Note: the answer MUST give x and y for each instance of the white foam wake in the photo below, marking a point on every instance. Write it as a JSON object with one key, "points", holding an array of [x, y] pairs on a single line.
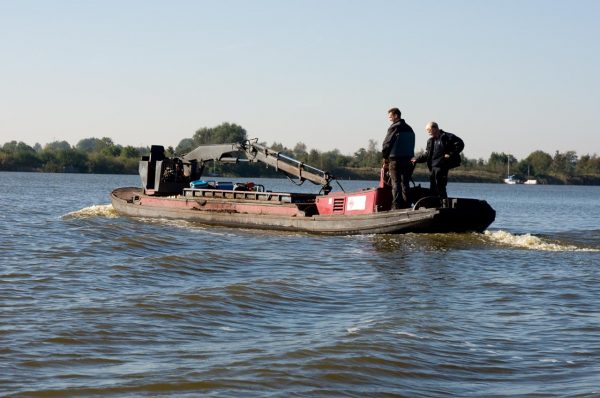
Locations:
{"points": [[528, 241], [94, 211]]}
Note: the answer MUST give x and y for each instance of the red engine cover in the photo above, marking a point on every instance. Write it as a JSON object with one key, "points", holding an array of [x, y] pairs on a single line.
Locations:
{"points": [[361, 202]]}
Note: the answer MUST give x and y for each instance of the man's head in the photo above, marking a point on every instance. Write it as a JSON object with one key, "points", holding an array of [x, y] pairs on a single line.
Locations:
{"points": [[432, 129], [394, 115]]}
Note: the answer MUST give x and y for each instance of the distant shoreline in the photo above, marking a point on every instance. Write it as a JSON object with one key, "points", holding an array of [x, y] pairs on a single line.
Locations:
{"points": [[473, 176]]}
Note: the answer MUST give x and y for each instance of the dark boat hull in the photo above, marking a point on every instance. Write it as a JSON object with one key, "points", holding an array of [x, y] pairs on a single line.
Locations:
{"points": [[464, 215]]}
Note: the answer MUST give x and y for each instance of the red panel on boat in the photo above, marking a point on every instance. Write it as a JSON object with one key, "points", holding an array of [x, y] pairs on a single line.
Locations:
{"points": [[362, 202]]}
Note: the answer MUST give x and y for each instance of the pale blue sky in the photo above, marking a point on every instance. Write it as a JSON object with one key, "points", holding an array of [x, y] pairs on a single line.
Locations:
{"points": [[507, 76]]}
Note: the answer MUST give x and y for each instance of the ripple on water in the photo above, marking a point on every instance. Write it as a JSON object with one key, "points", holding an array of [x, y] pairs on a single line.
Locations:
{"points": [[94, 304]]}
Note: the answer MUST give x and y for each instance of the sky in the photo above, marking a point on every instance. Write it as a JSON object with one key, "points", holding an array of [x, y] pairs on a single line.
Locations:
{"points": [[505, 75]]}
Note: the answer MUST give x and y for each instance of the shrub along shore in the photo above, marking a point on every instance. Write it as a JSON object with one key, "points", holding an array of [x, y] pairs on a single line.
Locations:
{"points": [[103, 156]]}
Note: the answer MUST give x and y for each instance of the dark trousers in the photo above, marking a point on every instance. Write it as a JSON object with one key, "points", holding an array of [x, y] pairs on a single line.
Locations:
{"points": [[401, 170], [438, 179]]}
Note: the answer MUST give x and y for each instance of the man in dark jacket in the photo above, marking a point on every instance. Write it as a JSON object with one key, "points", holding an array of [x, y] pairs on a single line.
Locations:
{"points": [[398, 150], [442, 153]]}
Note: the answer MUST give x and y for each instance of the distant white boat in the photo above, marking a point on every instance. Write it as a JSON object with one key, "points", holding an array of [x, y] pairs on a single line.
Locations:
{"points": [[512, 180], [529, 180]]}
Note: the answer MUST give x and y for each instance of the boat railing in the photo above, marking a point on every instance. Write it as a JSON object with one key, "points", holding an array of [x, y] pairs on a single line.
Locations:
{"points": [[273, 197]]}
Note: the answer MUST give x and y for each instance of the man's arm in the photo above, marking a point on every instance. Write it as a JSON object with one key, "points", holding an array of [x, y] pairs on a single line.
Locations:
{"points": [[423, 157], [388, 144]]}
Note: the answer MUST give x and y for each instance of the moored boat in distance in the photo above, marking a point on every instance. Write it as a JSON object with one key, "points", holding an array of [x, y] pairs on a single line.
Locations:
{"points": [[529, 180], [512, 179], [172, 188]]}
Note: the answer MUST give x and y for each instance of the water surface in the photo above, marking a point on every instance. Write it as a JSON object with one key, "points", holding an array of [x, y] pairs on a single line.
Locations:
{"points": [[93, 304]]}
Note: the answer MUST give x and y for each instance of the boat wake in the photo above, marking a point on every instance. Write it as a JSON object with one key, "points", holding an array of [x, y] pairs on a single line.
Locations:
{"points": [[93, 211], [531, 242]]}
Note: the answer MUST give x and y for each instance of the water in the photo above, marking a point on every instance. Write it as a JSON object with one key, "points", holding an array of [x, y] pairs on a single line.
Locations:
{"points": [[93, 304]]}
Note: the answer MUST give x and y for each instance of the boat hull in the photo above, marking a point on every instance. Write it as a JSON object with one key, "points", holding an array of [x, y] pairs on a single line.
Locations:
{"points": [[462, 216]]}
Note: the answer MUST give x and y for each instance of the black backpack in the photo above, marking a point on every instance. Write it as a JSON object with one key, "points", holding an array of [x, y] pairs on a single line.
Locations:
{"points": [[456, 144]]}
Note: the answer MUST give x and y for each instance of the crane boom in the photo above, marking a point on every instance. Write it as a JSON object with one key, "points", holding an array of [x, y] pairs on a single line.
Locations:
{"points": [[154, 168], [259, 153]]}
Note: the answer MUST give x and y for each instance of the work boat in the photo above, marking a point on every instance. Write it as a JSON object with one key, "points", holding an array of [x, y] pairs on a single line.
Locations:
{"points": [[173, 188]]}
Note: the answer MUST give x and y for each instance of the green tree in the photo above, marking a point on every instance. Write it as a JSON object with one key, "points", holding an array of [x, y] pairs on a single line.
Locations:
{"points": [[359, 159], [564, 163], [333, 160], [12, 146], [587, 165], [467, 163], [89, 144], [131, 152], [539, 163], [101, 164], [105, 145], [57, 146], [370, 157], [314, 158], [186, 145], [18, 156], [279, 147], [373, 156], [498, 162], [222, 134], [300, 152]]}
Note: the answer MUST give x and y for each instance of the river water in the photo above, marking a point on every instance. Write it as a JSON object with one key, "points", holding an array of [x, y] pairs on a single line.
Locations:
{"points": [[97, 305]]}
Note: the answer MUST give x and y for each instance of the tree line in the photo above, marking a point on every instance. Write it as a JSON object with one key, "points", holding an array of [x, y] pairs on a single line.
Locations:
{"points": [[103, 156]]}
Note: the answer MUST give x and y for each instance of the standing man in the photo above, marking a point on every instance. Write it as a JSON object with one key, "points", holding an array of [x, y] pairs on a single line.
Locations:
{"points": [[398, 151], [442, 153]]}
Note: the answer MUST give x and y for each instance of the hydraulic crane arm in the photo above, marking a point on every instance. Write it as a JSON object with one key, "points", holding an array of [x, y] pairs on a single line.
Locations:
{"points": [[208, 153], [161, 175], [258, 153], [251, 151]]}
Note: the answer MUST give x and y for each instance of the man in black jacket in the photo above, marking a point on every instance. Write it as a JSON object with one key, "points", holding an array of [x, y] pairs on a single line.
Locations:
{"points": [[398, 150], [442, 153]]}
